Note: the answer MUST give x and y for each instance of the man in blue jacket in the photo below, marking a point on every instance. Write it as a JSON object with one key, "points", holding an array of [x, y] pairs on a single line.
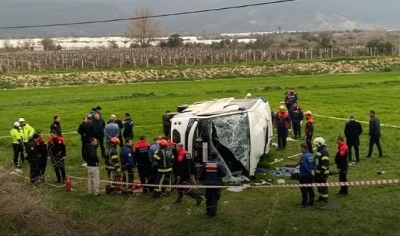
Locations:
{"points": [[127, 165], [308, 167]]}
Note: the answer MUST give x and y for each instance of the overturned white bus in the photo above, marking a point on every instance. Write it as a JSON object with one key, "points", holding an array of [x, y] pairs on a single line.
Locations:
{"points": [[239, 130]]}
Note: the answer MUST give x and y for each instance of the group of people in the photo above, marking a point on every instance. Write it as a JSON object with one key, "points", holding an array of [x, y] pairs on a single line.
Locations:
{"points": [[159, 164], [316, 168], [26, 141], [290, 117], [164, 162]]}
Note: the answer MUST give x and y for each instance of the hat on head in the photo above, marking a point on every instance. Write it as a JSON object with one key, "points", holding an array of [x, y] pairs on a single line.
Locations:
{"points": [[113, 116], [35, 136], [21, 120], [308, 113], [16, 124]]}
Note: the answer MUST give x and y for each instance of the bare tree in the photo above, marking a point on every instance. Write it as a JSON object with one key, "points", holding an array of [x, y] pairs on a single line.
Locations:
{"points": [[144, 30]]}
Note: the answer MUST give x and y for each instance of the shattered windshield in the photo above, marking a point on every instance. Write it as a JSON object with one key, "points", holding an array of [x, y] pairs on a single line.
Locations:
{"points": [[231, 138]]}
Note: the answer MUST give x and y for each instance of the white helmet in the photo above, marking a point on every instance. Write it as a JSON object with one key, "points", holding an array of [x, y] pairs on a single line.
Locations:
{"points": [[319, 141]]}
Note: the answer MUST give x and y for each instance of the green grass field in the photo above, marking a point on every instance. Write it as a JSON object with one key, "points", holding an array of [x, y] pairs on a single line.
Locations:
{"points": [[371, 210]]}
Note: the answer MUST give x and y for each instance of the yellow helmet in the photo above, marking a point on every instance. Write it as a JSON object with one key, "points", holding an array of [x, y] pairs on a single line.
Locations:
{"points": [[308, 113]]}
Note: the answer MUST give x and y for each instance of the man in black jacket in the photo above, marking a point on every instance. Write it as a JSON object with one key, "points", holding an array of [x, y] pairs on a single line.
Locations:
{"points": [[98, 130], [92, 161], [86, 131], [374, 134], [296, 117], [56, 125], [32, 152], [128, 126], [352, 131]]}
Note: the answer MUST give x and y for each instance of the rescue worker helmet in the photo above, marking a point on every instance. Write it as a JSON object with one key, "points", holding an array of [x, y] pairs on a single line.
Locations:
{"points": [[163, 142], [115, 140], [319, 141], [308, 113]]}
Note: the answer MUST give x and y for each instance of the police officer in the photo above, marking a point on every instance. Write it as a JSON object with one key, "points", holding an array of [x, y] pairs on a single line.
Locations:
{"points": [[213, 173], [17, 143], [26, 131], [164, 156], [296, 116], [290, 99], [57, 153], [322, 173], [32, 152], [307, 173], [342, 163], [112, 164], [282, 124], [127, 164], [309, 130], [185, 170], [43, 154]]}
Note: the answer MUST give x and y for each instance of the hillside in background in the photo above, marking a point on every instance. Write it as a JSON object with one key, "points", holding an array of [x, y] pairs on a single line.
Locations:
{"points": [[306, 15]]}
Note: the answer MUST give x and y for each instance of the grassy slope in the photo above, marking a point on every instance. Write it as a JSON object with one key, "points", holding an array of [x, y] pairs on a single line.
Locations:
{"points": [[367, 210]]}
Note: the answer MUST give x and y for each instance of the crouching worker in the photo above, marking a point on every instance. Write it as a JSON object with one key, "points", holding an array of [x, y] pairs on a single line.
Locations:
{"points": [[307, 173], [164, 156], [32, 151], [92, 161], [127, 165], [185, 170], [322, 173], [213, 173], [112, 165]]}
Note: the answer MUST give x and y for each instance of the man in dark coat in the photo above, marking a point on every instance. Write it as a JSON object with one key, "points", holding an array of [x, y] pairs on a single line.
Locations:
{"points": [[128, 126], [56, 125], [374, 134], [352, 131], [98, 130], [86, 131]]}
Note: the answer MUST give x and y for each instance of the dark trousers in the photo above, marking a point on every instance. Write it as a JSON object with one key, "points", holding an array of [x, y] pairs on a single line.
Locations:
{"points": [[323, 191], [163, 178], [187, 191], [356, 150], [343, 178], [34, 173], [18, 151], [144, 173], [309, 143], [121, 140], [296, 129], [59, 168], [212, 197], [282, 135], [128, 178], [153, 176], [83, 150], [307, 193], [42, 167], [375, 139], [101, 144]]}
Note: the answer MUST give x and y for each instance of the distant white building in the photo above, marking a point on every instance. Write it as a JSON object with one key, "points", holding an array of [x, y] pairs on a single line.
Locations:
{"points": [[37, 47]]}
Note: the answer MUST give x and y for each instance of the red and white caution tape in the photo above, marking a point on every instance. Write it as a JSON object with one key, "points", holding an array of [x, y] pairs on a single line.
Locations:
{"points": [[177, 186], [332, 184]]}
